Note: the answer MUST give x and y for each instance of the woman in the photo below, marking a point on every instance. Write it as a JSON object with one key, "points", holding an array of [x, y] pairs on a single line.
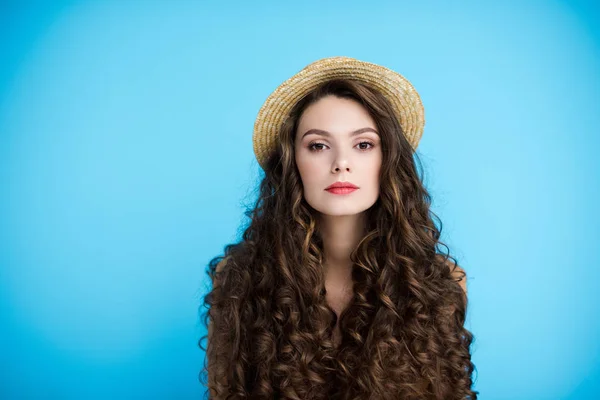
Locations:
{"points": [[339, 293]]}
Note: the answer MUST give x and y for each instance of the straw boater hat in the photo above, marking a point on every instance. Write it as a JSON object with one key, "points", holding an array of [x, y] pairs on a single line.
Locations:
{"points": [[398, 90]]}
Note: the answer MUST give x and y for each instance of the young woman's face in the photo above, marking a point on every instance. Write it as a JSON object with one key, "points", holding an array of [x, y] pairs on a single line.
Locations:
{"points": [[327, 151]]}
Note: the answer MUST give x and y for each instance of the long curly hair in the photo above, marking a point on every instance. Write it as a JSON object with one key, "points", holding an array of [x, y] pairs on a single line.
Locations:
{"points": [[269, 325]]}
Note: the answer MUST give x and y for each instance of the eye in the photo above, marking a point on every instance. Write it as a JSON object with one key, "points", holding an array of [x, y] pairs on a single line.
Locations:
{"points": [[312, 145], [369, 143]]}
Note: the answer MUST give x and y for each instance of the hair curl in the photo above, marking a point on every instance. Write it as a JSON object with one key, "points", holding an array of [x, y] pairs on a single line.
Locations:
{"points": [[269, 325]]}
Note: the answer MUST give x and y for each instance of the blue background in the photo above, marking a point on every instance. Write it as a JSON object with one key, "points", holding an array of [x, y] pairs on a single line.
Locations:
{"points": [[126, 162]]}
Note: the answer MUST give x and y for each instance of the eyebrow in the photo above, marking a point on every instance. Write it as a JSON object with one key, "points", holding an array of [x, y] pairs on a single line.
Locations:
{"points": [[325, 133]]}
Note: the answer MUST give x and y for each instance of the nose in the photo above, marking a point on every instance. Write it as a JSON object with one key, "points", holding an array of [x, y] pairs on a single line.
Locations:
{"points": [[341, 161], [341, 165], [336, 169]]}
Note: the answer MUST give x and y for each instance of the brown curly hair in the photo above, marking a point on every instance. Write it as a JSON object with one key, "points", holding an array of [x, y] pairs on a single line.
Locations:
{"points": [[269, 325]]}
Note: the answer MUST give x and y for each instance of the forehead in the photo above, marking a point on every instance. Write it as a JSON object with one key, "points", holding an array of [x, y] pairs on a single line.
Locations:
{"points": [[336, 115]]}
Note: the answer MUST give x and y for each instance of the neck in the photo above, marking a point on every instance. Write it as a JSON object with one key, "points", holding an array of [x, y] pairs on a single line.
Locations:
{"points": [[341, 235]]}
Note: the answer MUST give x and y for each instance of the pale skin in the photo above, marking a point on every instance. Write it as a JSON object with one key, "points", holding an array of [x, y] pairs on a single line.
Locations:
{"points": [[348, 149], [337, 140], [336, 153]]}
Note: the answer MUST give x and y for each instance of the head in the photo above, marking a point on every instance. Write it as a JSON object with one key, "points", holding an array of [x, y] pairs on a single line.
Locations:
{"points": [[343, 131], [337, 140], [270, 294]]}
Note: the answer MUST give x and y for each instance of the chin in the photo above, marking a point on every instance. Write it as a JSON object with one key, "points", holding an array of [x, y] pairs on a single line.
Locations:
{"points": [[340, 207], [338, 211], [339, 214]]}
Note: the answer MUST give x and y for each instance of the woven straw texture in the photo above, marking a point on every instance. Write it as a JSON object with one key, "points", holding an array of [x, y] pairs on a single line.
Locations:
{"points": [[398, 90]]}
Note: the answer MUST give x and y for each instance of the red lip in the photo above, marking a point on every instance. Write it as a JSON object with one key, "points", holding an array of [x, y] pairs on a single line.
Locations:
{"points": [[342, 185]]}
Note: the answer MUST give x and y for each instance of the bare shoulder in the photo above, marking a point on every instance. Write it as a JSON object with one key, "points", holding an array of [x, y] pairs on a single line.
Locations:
{"points": [[461, 276], [221, 264], [458, 274]]}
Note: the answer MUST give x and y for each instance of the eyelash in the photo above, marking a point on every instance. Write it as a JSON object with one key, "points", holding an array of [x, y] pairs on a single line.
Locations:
{"points": [[312, 144]]}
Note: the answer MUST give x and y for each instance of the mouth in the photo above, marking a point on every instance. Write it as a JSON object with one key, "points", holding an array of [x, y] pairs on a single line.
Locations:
{"points": [[342, 185], [341, 190]]}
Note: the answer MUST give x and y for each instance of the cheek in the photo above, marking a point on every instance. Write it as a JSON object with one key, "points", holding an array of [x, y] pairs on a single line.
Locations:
{"points": [[378, 165], [309, 172], [375, 171]]}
